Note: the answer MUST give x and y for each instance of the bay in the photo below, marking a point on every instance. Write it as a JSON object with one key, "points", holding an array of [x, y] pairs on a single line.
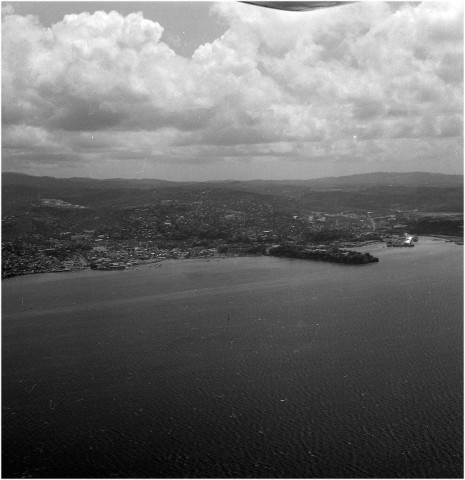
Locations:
{"points": [[239, 367]]}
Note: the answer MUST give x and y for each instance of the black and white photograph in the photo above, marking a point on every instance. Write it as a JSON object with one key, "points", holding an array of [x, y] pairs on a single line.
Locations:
{"points": [[232, 239]]}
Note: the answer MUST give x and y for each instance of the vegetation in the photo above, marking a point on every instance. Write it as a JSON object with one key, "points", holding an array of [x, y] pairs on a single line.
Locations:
{"points": [[51, 223]]}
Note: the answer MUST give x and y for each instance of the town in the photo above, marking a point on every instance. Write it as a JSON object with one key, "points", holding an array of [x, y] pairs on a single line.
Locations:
{"points": [[53, 235]]}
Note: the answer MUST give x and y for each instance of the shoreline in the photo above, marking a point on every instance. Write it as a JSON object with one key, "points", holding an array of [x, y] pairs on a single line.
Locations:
{"points": [[448, 238], [158, 261]]}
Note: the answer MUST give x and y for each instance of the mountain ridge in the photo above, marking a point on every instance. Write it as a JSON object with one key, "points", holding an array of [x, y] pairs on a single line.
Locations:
{"points": [[361, 179]]}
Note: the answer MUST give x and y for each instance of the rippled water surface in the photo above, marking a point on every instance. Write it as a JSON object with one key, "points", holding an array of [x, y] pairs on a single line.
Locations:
{"points": [[246, 367]]}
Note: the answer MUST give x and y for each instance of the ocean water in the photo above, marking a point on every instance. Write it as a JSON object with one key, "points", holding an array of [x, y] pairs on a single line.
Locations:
{"points": [[244, 367]]}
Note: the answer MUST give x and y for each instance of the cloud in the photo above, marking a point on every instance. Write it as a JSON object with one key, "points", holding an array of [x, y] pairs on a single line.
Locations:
{"points": [[275, 83], [7, 10]]}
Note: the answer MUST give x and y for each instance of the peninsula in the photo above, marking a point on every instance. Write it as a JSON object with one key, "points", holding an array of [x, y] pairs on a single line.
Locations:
{"points": [[331, 254]]}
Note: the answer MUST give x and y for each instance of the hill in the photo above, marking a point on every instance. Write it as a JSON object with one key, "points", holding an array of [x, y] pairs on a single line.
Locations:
{"points": [[390, 179], [431, 192]]}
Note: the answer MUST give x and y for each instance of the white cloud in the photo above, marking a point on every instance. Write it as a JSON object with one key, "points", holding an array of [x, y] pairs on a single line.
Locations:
{"points": [[273, 83]]}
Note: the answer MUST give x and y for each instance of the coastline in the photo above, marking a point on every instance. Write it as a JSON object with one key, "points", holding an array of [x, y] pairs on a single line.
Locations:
{"points": [[448, 238], [371, 247], [377, 249]]}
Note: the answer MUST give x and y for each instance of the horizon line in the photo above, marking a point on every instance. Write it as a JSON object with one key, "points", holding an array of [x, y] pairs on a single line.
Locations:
{"points": [[237, 180]]}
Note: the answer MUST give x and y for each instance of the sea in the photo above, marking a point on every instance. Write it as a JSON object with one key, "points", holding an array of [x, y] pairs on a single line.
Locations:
{"points": [[244, 367]]}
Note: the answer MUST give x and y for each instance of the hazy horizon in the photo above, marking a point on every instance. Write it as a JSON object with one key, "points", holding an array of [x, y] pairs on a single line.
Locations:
{"points": [[202, 91], [257, 179]]}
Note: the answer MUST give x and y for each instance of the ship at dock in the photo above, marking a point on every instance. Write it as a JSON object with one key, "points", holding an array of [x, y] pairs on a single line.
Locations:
{"points": [[404, 241]]}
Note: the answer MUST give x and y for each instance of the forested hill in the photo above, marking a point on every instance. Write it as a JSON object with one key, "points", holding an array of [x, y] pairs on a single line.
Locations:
{"points": [[388, 179], [429, 192], [359, 180]]}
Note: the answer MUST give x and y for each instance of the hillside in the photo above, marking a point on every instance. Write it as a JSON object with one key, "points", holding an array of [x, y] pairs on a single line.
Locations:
{"points": [[49, 224], [374, 191]]}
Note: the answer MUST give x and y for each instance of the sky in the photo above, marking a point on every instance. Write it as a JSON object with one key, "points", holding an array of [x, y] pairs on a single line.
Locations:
{"points": [[226, 90]]}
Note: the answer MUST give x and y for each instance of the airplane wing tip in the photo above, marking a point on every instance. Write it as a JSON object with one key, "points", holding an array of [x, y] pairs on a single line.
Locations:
{"points": [[297, 6]]}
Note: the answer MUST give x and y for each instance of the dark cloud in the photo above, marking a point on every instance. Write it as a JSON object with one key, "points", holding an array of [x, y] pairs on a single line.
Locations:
{"points": [[365, 108], [154, 119], [85, 117], [451, 126], [451, 68], [237, 136]]}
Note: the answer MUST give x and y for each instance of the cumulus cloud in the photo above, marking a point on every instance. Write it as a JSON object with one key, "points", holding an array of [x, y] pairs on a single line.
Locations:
{"points": [[98, 86]]}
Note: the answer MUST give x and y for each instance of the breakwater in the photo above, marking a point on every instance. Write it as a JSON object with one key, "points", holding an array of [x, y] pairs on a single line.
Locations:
{"points": [[336, 255]]}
